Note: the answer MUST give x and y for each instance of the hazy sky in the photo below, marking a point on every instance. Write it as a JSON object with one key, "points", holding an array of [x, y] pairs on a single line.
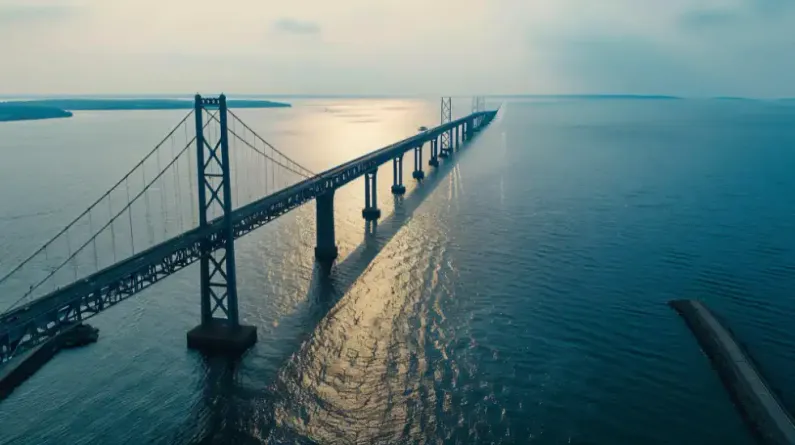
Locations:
{"points": [[685, 47]]}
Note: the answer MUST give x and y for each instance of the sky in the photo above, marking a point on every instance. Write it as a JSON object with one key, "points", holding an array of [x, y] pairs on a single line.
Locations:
{"points": [[399, 47]]}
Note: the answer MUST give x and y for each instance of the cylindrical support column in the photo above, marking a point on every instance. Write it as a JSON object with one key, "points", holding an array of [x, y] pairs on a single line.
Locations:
{"points": [[418, 173], [366, 190], [374, 189], [326, 246], [397, 184], [434, 161], [371, 211]]}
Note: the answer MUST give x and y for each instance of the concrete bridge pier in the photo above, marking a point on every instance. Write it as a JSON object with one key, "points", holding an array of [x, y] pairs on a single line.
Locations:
{"points": [[468, 126], [418, 173], [434, 161], [397, 169], [326, 246], [371, 212]]}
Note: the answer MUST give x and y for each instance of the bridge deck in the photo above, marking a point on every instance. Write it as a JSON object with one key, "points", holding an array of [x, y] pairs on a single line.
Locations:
{"points": [[34, 322]]}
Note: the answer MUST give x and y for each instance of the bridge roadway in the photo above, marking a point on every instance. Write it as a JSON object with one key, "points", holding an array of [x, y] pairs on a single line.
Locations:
{"points": [[32, 324]]}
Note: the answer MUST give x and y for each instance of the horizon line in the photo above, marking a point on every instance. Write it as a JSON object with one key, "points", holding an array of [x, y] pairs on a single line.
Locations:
{"points": [[342, 95]]}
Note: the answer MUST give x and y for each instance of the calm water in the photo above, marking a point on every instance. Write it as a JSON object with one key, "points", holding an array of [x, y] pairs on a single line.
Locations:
{"points": [[517, 295]]}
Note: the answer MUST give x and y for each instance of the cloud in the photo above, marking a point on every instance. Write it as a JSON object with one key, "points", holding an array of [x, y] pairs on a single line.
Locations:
{"points": [[700, 19], [678, 47], [625, 66], [768, 7], [292, 26], [19, 13], [746, 14]]}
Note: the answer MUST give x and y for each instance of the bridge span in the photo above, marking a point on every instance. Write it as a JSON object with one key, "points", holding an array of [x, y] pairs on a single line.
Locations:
{"points": [[212, 242]]}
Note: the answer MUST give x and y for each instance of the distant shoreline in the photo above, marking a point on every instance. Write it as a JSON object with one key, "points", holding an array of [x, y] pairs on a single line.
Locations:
{"points": [[10, 111], [60, 108]]}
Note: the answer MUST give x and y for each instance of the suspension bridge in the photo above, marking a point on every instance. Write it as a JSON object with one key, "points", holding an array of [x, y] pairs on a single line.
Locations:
{"points": [[183, 203]]}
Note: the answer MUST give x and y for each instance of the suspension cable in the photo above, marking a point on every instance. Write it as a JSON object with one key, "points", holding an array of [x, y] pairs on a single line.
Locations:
{"points": [[304, 175], [310, 172], [114, 218], [107, 193]]}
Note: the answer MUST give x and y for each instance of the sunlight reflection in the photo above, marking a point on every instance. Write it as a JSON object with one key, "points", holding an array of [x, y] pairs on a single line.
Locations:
{"points": [[367, 359]]}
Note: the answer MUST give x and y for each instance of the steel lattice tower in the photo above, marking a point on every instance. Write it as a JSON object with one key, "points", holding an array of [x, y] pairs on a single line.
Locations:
{"points": [[447, 116]]}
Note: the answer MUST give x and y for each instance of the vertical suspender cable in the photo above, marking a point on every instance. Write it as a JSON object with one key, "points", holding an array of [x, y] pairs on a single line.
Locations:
{"points": [[91, 230], [129, 216], [112, 231], [148, 215], [163, 203], [177, 200]]}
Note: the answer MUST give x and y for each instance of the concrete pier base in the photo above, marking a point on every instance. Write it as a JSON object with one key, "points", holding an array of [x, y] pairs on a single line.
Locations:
{"points": [[218, 337], [433, 162], [326, 254], [419, 174], [398, 189], [371, 214]]}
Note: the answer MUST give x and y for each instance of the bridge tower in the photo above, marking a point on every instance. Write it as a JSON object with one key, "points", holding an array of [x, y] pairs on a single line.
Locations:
{"points": [[447, 136], [220, 330], [471, 125], [478, 105]]}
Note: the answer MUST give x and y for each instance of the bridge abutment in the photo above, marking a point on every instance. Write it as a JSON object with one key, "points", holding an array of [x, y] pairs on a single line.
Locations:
{"points": [[371, 212], [326, 248]]}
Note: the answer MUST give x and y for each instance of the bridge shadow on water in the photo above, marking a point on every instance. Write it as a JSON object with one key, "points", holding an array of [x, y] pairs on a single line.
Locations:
{"points": [[232, 409]]}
